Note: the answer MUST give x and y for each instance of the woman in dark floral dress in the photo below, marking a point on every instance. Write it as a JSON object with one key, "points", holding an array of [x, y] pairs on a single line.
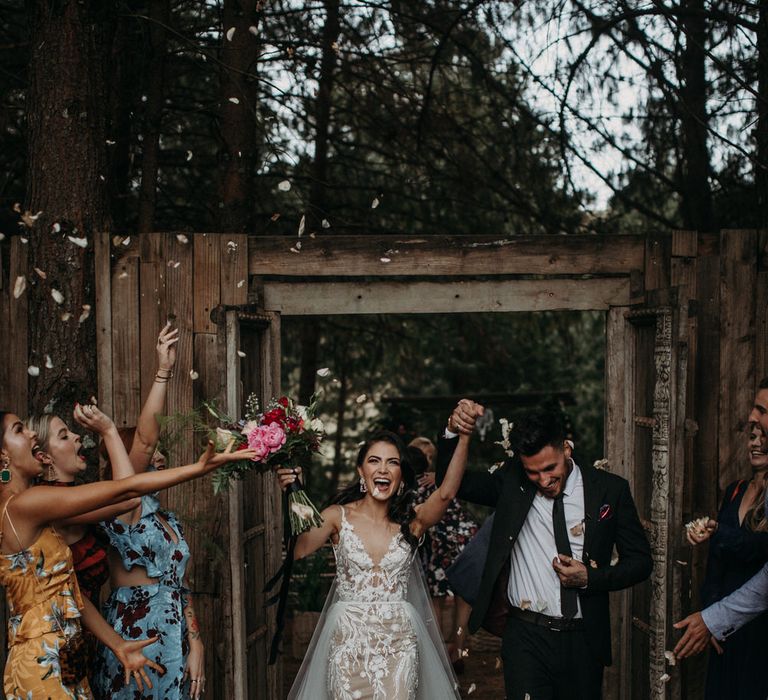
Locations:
{"points": [[444, 542]]}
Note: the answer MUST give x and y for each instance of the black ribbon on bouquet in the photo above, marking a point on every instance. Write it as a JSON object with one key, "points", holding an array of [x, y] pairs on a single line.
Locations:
{"points": [[284, 572]]}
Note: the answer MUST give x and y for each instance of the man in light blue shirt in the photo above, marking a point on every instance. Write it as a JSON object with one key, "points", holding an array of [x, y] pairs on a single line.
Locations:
{"points": [[723, 618]]}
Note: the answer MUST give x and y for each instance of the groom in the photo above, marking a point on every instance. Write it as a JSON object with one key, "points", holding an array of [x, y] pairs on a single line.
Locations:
{"points": [[544, 588]]}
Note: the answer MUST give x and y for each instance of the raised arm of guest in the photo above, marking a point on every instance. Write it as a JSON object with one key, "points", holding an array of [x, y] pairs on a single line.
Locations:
{"points": [[147, 428], [195, 668]]}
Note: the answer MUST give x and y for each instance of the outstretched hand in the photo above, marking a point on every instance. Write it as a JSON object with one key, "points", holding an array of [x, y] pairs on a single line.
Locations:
{"points": [[91, 418], [166, 347], [210, 459], [135, 664], [464, 417], [695, 638]]}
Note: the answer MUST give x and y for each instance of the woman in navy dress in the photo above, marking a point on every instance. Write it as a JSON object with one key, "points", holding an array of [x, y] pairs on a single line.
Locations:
{"points": [[738, 549]]}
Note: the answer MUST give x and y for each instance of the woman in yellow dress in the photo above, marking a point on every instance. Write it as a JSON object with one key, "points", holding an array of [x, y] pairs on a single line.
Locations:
{"points": [[36, 565]]}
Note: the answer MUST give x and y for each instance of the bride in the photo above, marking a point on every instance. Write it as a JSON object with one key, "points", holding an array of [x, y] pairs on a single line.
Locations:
{"points": [[377, 638]]}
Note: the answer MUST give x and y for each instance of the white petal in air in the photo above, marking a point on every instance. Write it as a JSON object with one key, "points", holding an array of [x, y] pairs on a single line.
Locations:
{"points": [[325, 223], [284, 186], [230, 33], [240, 353], [33, 371], [181, 238], [86, 313], [81, 242], [58, 297], [48, 362], [234, 100], [323, 372], [193, 375], [19, 286]]}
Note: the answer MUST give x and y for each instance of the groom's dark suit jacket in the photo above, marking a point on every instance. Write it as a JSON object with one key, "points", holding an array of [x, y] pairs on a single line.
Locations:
{"points": [[610, 519]]}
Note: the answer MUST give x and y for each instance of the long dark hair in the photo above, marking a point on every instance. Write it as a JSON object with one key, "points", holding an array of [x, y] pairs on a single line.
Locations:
{"points": [[3, 414], [400, 510]]}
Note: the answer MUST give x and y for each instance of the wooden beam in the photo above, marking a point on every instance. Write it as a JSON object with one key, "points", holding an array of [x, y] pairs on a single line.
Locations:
{"points": [[103, 277], [388, 256], [322, 298]]}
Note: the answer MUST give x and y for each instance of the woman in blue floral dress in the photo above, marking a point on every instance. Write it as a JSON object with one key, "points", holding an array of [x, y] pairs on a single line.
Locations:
{"points": [[151, 547]]}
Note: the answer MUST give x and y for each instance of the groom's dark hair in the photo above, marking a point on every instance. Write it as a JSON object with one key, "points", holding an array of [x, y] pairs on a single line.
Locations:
{"points": [[536, 431]]}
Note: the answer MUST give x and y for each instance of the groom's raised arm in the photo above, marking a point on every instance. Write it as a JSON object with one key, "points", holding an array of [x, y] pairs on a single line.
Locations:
{"points": [[476, 486]]}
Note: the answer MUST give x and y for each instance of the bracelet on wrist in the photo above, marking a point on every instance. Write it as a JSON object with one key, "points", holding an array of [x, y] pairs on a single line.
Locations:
{"points": [[168, 375], [161, 380]]}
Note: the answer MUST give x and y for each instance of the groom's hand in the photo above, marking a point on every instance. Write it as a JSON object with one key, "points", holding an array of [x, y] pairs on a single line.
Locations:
{"points": [[465, 416], [571, 572]]}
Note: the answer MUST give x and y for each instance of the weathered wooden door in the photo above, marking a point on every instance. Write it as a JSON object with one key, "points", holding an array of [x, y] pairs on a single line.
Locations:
{"points": [[646, 377], [255, 520]]}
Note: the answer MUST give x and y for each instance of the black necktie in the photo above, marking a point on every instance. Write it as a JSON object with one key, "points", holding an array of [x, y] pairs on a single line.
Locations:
{"points": [[568, 596]]}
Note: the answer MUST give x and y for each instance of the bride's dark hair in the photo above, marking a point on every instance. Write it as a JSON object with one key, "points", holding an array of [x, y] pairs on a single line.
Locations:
{"points": [[400, 509]]}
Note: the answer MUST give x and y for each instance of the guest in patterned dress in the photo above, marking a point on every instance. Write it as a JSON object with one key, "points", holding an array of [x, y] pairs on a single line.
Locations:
{"points": [[36, 567], [443, 544]]}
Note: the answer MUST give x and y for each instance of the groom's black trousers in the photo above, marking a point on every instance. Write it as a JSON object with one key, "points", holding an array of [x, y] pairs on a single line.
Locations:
{"points": [[545, 664]]}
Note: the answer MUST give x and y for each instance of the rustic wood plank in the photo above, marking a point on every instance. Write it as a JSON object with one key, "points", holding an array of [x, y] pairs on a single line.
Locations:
{"points": [[761, 327], [234, 269], [207, 276], [238, 679], [445, 255], [152, 316], [619, 353], [685, 244], [126, 381], [738, 265], [657, 262], [103, 280], [179, 295], [318, 298]]}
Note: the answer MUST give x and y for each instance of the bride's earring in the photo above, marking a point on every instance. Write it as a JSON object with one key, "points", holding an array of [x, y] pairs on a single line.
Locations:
{"points": [[51, 476], [400, 489], [363, 487], [5, 472]]}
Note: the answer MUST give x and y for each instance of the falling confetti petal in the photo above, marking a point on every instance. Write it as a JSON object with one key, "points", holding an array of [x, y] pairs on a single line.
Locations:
{"points": [[42, 275], [362, 398], [86, 313], [234, 100], [670, 657], [240, 284], [230, 33], [33, 371], [189, 156], [240, 353], [127, 241], [193, 375], [284, 186], [665, 678], [48, 362], [110, 142], [2, 236], [81, 242], [375, 203], [19, 286], [58, 297], [497, 665], [578, 529], [253, 30], [385, 260], [66, 316], [325, 223], [181, 238], [302, 224], [324, 372], [472, 688], [295, 250], [28, 218], [23, 240], [56, 227], [122, 275], [231, 246]]}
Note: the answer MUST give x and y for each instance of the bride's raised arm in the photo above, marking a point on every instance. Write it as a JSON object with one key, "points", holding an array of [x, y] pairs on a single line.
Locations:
{"points": [[433, 509]]}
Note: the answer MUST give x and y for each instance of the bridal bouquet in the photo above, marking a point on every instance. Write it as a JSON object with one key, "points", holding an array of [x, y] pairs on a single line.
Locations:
{"points": [[283, 435]]}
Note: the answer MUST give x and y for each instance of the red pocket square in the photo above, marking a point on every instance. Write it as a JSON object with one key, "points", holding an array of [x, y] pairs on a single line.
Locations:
{"points": [[606, 512]]}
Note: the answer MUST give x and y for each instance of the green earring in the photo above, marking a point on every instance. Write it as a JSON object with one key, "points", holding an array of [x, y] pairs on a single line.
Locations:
{"points": [[5, 472]]}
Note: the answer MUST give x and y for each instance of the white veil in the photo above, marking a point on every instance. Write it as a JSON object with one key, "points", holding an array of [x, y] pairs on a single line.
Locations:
{"points": [[436, 678]]}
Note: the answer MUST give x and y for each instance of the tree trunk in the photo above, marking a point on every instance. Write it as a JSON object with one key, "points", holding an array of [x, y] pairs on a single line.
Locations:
{"points": [[159, 15], [761, 167], [239, 54], [696, 203], [66, 108]]}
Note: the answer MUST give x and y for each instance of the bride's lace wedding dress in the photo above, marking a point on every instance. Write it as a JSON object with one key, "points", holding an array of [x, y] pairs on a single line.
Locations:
{"points": [[376, 639]]}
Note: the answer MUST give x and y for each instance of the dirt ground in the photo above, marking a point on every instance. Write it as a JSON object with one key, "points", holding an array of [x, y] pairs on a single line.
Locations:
{"points": [[479, 670]]}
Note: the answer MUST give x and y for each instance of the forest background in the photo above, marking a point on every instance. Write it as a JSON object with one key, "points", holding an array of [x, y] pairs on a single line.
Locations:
{"points": [[427, 118]]}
